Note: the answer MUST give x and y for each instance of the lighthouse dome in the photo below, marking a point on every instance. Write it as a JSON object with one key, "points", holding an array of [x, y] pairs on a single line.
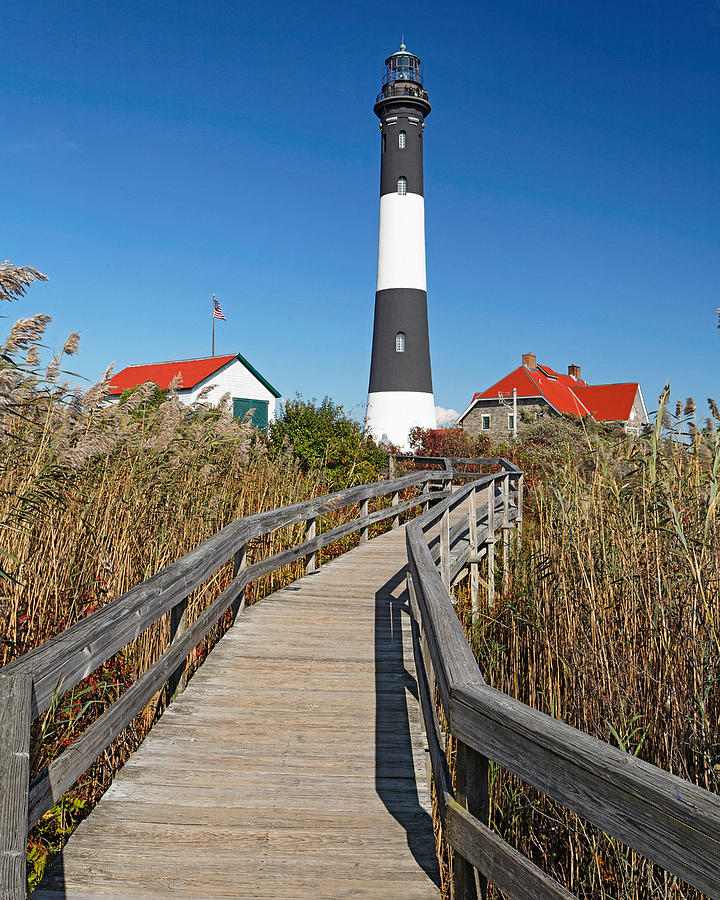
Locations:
{"points": [[403, 79], [402, 66]]}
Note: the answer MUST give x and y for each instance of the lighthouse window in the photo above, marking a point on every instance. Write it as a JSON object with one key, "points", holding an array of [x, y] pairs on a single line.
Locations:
{"points": [[384, 141], [400, 342], [402, 185], [402, 137]]}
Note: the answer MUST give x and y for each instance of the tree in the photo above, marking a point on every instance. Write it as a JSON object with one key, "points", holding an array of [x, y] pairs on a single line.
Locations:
{"points": [[324, 435]]}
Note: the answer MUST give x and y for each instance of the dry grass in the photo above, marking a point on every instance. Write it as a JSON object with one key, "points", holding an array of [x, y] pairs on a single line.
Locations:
{"points": [[95, 498], [611, 623]]}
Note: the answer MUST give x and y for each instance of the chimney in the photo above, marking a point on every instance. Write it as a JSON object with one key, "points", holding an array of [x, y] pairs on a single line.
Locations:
{"points": [[529, 360], [574, 371]]}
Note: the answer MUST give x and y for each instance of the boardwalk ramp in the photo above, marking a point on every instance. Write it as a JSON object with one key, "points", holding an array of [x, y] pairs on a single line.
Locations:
{"points": [[293, 764]]}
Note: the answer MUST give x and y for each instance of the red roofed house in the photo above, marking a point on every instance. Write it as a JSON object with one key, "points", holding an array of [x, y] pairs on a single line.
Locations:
{"points": [[222, 374], [541, 390]]}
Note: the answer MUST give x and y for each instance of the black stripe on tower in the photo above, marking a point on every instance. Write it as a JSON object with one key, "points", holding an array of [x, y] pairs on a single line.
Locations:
{"points": [[396, 161], [400, 310]]}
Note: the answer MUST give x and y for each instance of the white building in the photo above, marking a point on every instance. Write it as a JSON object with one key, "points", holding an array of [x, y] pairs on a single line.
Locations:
{"points": [[232, 375]]}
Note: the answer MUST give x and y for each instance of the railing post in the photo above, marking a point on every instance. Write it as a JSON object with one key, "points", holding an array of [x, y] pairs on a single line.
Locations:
{"points": [[448, 480], [364, 513], [311, 558], [491, 543], [474, 568], [178, 626], [472, 792], [426, 490], [519, 518], [15, 722], [395, 501], [391, 466], [445, 549], [506, 532], [239, 563]]}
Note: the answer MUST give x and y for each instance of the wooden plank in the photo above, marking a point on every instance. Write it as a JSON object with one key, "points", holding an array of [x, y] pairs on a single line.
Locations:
{"points": [[261, 881], [237, 815], [15, 693]]}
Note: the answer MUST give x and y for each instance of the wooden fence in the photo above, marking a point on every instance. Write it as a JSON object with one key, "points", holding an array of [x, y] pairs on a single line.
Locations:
{"points": [[30, 684], [665, 818]]}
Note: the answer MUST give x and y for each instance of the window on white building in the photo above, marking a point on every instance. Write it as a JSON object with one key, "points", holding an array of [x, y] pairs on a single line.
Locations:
{"points": [[402, 137], [402, 185], [400, 342], [486, 423], [511, 422]]}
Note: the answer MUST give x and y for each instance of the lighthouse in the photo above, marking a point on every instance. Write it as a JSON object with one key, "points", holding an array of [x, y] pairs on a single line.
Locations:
{"points": [[401, 394]]}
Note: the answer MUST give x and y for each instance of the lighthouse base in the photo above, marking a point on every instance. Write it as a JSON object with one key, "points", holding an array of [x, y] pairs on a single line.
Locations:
{"points": [[392, 414]]}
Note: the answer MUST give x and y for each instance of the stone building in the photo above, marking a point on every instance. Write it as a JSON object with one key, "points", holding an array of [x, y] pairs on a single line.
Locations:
{"points": [[534, 390]]}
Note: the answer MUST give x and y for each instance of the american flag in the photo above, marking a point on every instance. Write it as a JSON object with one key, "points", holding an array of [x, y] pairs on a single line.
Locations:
{"points": [[217, 311]]}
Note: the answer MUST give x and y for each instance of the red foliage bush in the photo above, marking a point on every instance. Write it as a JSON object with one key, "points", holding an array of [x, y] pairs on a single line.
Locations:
{"points": [[448, 442]]}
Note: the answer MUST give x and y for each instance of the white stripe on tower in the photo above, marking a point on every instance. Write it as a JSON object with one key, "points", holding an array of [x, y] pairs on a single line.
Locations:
{"points": [[401, 242], [391, 415]]}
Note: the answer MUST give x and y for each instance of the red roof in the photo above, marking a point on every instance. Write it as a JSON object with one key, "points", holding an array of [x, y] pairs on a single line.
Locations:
{"points": [[192, 372], [608, 402], [605, 402]]}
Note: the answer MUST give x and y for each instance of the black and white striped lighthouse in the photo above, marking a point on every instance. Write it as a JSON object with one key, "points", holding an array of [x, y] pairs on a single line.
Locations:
{"points": [[401, 394]]}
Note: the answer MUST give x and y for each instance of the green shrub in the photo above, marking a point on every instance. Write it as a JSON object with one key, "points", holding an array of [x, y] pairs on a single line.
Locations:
{"points": [[323, 434]]}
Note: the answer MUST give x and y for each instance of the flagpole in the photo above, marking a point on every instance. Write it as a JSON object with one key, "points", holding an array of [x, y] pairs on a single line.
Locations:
{"points": [[212, 313]]}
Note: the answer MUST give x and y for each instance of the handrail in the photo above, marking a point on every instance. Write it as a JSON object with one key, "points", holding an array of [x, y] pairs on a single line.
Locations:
{"points": [[30, 683], [72, 655], [672, 822]]}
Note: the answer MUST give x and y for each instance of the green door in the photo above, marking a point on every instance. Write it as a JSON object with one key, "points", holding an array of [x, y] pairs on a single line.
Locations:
{"points": [[259, 407]]}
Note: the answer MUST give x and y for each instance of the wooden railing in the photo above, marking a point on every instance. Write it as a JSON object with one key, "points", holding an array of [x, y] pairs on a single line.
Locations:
{"points": [[670, 821], [665, 818], [30, 684]]}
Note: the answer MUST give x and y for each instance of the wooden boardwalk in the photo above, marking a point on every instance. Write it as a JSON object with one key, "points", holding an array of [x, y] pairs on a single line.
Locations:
{"points": [[293, 764]]}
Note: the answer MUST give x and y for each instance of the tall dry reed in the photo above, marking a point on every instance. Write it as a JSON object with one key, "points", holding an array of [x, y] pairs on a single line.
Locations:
{"points": [[612, 624], [95, 497]]}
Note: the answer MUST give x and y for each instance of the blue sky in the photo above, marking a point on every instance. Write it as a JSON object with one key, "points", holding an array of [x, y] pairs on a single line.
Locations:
{"points": [[157, 152]]}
